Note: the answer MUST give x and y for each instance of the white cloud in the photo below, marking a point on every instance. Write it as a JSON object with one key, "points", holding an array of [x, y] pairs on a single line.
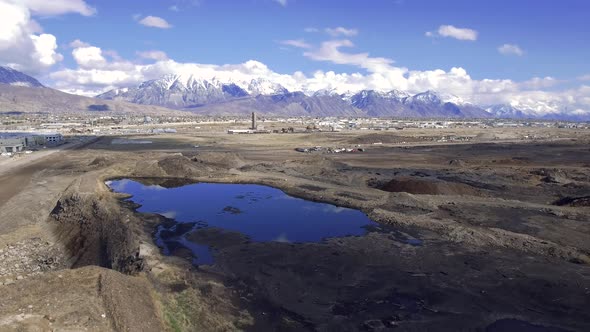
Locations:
{"points": [[330, 51], [57, 7], [540, 82], [453, 32], [89, 57], [21, 44], [96, 73], [299, 43], [281, 2], [153, 55], [78, 43], [340, 31], [510, 49], [113, 54], [155, 22], [584, 77], [45, 46], [174, 8], [311, 29]]}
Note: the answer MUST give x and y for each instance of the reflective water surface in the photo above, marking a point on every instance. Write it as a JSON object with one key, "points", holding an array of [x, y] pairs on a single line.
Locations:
{"points": [[259, 212]]}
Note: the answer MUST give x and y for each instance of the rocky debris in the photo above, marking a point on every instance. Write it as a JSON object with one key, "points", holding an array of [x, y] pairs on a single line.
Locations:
{"points": [[232, 210], [456, 162], [552, 176], [28, 258]]}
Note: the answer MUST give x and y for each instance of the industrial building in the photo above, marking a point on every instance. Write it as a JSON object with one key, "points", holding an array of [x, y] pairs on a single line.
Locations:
{"points": [[52, 138], [11, 145], [20, 142]]}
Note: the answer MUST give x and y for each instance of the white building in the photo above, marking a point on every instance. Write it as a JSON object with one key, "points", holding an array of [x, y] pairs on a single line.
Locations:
{"points": [[11, 145], [53, 138]]}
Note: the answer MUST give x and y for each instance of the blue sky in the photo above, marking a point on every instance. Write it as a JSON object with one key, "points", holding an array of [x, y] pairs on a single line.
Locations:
{"points": [[531, 52], [554, 35]]}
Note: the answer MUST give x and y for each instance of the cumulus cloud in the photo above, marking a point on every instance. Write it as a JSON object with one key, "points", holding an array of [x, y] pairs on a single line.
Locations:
{"points": [[510, 49], [341, 31], [454, 32], [330, 51], [78, 43], [45, 46], [540, 82], [89, 57], [97, 73], [58, 7], [22, 46], [584, 77], [155, 22], [299, 43], [153, 55]]}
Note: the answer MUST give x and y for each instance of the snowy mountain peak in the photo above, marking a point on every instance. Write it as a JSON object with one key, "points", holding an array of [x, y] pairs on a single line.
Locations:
{"points": [[505, 111], [262, 86], [187, 91], [449, 98], [325, 93], [16, 78], [397, 94], [433, 97], [427, 97]]}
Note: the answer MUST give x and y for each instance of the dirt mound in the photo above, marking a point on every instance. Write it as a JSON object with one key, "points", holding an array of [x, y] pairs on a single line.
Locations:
{"points": [[94, 232], [221, 159], [573, 201], [176, 165], [100, 162], [424, 186], [165, 182], [317, 167], [171, 166]]}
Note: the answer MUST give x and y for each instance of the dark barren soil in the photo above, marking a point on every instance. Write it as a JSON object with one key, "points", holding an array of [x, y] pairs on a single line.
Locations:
{"points": [[484, 236]]}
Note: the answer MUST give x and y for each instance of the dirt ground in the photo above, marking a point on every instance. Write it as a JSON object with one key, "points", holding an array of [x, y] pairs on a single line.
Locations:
{"points": [[503, 227]]}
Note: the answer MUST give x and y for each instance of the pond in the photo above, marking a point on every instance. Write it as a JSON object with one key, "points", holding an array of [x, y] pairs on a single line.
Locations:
{"points": [[260, 213]]}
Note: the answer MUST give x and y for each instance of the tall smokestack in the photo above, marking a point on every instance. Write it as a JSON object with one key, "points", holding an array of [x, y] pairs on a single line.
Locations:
{"points": [[254, 126]]}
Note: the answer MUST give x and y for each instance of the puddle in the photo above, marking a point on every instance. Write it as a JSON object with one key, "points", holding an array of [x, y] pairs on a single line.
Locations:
{"points": [[251, 212]]}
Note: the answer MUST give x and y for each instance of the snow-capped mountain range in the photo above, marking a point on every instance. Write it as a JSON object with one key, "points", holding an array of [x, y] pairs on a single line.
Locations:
{"points": [[234, 97], [214, 96]]}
